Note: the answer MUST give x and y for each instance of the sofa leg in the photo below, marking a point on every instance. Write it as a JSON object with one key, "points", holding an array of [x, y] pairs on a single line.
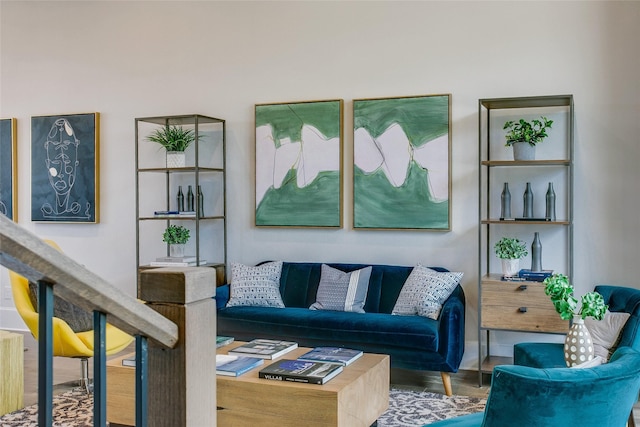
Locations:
{"points": [[446, 381]]}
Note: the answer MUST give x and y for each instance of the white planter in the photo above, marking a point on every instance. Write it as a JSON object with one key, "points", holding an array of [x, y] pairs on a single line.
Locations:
{"points": [[510, 267], [175, 159], [176, 250], [524, 151]]}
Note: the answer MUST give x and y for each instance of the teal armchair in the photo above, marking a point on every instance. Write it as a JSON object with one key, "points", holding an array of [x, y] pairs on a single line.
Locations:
{"points": [[601, 396], [551, 355]]}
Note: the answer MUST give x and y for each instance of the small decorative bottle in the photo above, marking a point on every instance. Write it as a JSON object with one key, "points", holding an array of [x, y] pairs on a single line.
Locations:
{"points": [[536, 253], [180, 199], [200, 202], [505, 202], [528, 202], [550, 214], [190, 207]]}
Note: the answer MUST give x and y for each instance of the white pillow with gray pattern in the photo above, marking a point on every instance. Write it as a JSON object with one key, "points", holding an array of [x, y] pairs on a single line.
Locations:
{"points": [[424, 292], [256, 286]]}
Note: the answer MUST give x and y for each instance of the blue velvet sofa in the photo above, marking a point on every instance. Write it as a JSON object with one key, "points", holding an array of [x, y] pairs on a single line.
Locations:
{"points": [[413, 342], [601, 396]]}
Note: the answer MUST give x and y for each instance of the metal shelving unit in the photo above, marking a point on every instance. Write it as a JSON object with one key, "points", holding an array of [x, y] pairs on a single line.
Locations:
{"points": [[521, 306], [157, 185]]}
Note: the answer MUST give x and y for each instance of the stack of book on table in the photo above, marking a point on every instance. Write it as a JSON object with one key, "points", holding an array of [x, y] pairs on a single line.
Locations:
{"points": [[172, 261], [234, 366], [221, 341], [264, 348], [336, 355], [301, 371]]}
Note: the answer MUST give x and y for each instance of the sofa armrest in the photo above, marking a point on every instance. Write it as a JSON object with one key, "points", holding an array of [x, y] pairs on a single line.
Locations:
{"points": [[222, 296], [451, 329]]}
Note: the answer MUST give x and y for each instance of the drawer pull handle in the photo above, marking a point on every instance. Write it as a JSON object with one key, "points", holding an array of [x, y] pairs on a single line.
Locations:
{"points": [[523, 287], [522, 309]]}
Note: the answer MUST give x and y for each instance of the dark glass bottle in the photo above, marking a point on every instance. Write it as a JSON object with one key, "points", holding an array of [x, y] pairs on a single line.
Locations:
{"points": [[200, 202], [190, 206], [505, 202], [528, 202], [180, 199], [551, 203], [536, 253]]}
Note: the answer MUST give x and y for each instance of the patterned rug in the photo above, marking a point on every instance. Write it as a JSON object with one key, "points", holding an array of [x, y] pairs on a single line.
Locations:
{"points": [[406, 409]]}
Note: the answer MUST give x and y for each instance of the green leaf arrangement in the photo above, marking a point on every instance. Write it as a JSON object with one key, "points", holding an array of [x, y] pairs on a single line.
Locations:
{"points": [[176, 235], [523, 131], [173, 138], [510, 248], [558, 288]]}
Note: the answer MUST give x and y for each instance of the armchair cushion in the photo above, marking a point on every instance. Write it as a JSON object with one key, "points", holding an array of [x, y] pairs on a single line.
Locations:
{"points": [[606, 333], [79, 320]]}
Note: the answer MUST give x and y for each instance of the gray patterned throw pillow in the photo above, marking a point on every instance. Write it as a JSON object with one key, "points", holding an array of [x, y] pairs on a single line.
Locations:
{"points": [[340, 291], [424, 292], [256, 286]]}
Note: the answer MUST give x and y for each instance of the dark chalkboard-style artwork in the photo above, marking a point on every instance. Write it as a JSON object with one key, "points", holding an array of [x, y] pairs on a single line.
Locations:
{"points": [[64, 168], [8, 164]]}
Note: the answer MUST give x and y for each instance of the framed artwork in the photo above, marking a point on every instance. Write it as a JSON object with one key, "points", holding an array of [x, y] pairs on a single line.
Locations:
{"points": [[64, 168], [299, 164], [402, 163], [8, 169]]}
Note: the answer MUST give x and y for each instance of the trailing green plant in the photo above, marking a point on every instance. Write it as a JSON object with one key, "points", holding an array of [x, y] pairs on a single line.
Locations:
{"points": [[510, 248], [173, 138], [176, 234], [558, 288], [523, 131]]}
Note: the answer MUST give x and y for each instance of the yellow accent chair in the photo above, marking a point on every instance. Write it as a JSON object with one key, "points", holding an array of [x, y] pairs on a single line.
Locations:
{"points": [[66, 342]]}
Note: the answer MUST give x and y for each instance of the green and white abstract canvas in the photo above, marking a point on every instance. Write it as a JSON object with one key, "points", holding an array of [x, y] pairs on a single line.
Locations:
{"points": [[298, 164], [402, 163]]}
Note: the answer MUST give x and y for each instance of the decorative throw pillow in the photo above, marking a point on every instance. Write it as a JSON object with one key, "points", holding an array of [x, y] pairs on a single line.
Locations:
{"points": [[606, 333], [79, 320], [424, 292], [342, 291], [256, 286]]}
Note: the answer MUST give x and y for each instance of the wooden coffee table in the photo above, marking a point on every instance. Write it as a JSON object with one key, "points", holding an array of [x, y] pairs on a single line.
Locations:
{"points": [[356, 397]]}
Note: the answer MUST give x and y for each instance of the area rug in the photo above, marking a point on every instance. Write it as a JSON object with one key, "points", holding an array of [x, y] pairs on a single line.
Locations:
{"points": [[406, 409]]}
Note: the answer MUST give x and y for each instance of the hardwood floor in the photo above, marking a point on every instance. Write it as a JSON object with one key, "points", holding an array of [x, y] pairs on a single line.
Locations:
{"points": [[67, 374]]}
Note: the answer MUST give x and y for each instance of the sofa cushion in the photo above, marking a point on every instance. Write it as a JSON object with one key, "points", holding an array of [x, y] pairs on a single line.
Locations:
{"points": [[256, 286], [373, 328], [606, 332], [425, 291], [342, 291]]}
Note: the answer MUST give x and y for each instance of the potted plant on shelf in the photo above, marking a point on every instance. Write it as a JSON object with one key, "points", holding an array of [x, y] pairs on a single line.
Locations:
{"points": [[524, 136], [578, 345], [510, 250], [175, 139], [176, 236]]}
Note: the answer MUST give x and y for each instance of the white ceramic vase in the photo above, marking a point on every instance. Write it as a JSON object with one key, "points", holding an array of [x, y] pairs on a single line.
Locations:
{"points": [[510, 267], [176, 250], [175, 159], [523, 151], [578, 345]]}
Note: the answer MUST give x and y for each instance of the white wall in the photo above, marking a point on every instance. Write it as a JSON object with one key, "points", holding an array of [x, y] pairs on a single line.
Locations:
{"points": [[135, 59]]}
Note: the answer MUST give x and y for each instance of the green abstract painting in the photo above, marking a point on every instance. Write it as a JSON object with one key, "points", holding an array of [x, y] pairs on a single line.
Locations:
{"points": [[299, 164], [402, 163]]}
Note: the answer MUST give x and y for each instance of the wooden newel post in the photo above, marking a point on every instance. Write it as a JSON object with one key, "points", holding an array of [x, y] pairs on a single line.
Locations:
{"points": [[182, 380]]}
